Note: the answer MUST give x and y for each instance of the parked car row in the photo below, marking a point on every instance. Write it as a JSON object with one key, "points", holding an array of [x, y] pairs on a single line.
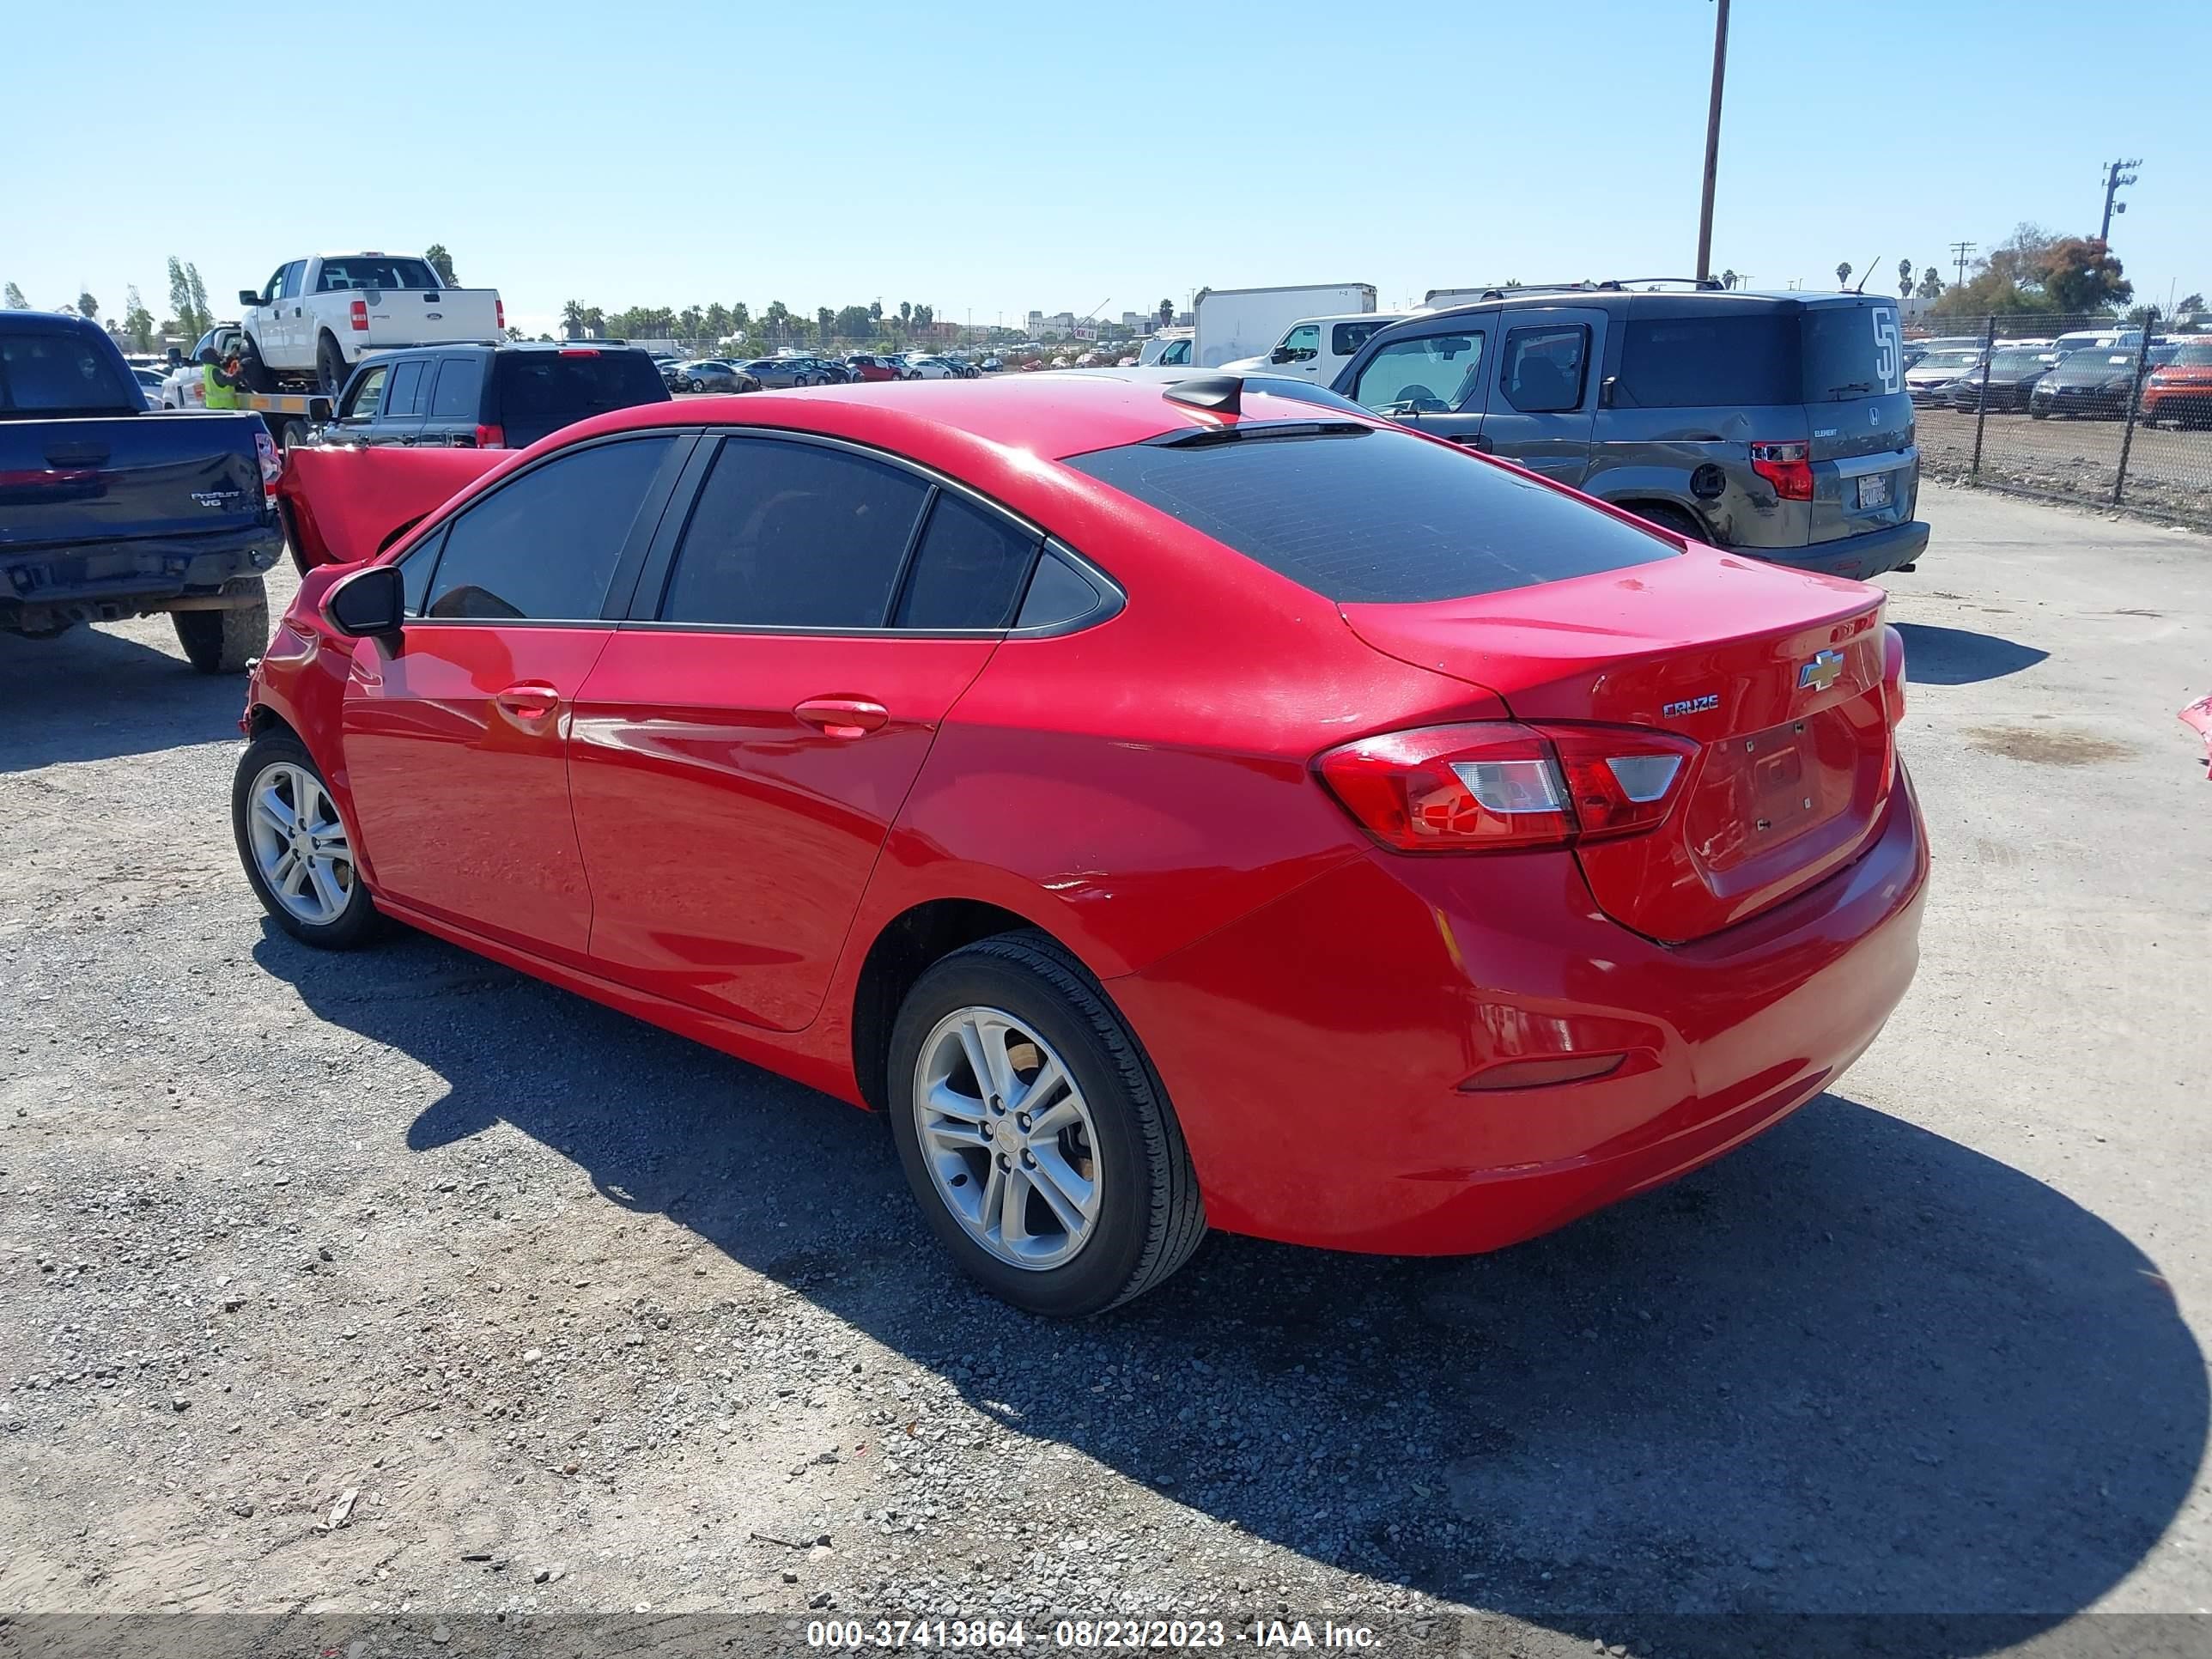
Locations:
{"points": [[2094, 381]]}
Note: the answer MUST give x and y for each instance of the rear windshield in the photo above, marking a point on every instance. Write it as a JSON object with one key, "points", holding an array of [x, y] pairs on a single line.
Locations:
{"points": [[61, 372], [1365, 515], [540, 392], [381, 272], [1759, 359]]}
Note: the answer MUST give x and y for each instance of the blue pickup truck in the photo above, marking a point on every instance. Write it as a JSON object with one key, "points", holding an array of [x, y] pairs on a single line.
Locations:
{"points": [[109, 510]]}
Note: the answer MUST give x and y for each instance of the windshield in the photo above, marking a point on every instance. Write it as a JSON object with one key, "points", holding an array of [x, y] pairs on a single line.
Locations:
{"points": [[381, 272], [2193, 356], [1364, 515], [2016, 363], [2098, 361], [1951, 360], [61, 372]]}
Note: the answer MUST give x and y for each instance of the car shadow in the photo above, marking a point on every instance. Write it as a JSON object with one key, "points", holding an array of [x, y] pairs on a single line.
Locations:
{"points": [[94, 695], [1854, 1369], [1960, 656]]}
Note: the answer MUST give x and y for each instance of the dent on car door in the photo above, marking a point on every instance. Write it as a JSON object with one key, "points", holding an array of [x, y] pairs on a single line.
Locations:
{"points": [[741, 749], [1436, 382], [456, 734]]}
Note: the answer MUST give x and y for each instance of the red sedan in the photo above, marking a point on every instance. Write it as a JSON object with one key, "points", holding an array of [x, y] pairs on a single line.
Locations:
{"points": [[1175, 808]]}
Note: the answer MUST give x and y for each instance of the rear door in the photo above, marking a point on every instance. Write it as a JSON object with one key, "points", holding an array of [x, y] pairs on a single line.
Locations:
{"points": [[1866, 467], [1437, 381], [742, 748], [406, 394], [456, 736], [456, 400], [1543, 401]]}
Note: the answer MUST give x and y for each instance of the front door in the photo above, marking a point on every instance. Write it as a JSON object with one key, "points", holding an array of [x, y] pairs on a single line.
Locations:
{"points": [[1543, 398], [741, 751], [1436, 382], [455, 736]]}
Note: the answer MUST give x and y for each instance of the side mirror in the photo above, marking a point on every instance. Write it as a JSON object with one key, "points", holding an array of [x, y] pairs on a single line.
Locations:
{"points": [[247, 296], [1281, 355], [369, 603]]}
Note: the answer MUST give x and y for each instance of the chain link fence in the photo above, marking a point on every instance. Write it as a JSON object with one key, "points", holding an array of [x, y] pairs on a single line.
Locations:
{"points": [[2074, 408]]}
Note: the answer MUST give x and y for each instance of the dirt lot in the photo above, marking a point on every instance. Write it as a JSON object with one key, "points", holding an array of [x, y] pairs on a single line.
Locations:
{"points": [[396, 1294], [2169, 470]]}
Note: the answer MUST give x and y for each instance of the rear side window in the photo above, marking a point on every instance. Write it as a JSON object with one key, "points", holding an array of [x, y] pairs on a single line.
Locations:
{"points": [[788, 535], [62, 372], [460, 391], [1379, 517], [541, 392], [967, 569], [403, 397], [1541, 370], [1437, 374], [1345, 338], [544, 548], [1708, 362]]}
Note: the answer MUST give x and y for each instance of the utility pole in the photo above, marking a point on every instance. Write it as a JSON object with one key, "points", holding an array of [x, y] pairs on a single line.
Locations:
{"points": [[1961, 252], [1712, 143], [2116, 175]]}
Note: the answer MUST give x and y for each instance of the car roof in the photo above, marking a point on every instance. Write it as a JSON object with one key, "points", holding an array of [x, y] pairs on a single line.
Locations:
{"points": [[22, 322], [1051, 416]]}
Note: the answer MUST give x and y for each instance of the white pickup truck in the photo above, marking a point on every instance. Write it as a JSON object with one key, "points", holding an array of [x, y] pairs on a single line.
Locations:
{"points": [[317, 317]]}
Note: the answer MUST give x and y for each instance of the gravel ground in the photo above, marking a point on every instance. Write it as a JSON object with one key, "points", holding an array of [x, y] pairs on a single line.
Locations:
{"points": [[2169, 470], [400, 1291]]}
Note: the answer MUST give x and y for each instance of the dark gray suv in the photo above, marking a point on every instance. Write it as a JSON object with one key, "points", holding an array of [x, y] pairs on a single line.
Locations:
{"points": [[1776, 424]]}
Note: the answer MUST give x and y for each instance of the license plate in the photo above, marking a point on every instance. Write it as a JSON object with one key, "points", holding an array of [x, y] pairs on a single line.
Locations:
{"points": [[1874, 489]]}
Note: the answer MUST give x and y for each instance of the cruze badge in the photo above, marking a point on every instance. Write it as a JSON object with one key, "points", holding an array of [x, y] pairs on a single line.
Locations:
{"points": [[1691, 706], [1821, 672]]}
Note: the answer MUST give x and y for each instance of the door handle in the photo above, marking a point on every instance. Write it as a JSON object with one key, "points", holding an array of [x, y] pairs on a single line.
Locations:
{"points": [[1477, 442], [530, 703], [843, 717]]}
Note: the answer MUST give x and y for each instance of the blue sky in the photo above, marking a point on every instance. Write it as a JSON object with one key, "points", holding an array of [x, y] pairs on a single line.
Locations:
{"points": [[989, 158]]}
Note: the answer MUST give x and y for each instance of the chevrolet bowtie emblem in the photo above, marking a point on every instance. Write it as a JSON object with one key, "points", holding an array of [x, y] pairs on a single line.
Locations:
{"points": [[1820, 672]]}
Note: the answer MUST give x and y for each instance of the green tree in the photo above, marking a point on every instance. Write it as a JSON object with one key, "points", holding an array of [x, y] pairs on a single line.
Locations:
{"points": [[825, 320], [2189, 304], [595, 321], [1167, 312], [1904, 279], [187, 301], [442, 263], [925, 318], [87, 307], [854, 323], [876, 312], [906, 313], [1931, 284], [137, 321], [2080, 274], [571, 318], [515, 334], [774, 320], [15, 300], [716, 320], [691, 323], [1843, 273], [741, 318]]}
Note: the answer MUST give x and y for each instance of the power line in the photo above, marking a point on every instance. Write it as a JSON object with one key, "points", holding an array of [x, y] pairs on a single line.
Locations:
{"points": [[2116, 175], [1962, 252]]}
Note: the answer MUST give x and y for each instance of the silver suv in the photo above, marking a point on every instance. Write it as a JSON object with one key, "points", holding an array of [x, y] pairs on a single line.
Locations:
{"points": [[1776, 424]]}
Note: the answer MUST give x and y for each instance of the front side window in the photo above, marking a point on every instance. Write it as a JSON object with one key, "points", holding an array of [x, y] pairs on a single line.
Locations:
{"points": [[967, 569], [1436, 374], [361, 407], [792, 535], [544, 547], [1301, 345], [1541, 370], [291, 276], [275, 286]]}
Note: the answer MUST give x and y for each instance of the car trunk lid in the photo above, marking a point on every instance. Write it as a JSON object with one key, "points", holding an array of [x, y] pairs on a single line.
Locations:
{"points": [[1778, 675], [1865, 466]]}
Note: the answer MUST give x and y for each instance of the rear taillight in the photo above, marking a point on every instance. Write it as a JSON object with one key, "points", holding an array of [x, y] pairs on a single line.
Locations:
{"points": [[1892, 672], [1787, 466], [273, 464], [1488, 787], [360, 316], [491, 437], [498, 313]]}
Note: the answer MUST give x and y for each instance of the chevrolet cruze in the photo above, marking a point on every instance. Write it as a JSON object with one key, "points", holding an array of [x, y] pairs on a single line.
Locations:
{"points": [[1174, 806]]}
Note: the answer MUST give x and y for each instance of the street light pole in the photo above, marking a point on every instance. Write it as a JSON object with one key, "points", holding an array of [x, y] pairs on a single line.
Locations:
{"points": [[1712, 143]]}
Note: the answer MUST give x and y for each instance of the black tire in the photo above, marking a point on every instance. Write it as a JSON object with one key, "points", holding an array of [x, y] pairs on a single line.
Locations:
{"points": [[1673, 519], [331, 369], [2035, 414], [801, 380], [1150, 1216], [252, 369], [224, 641], [359, 921]]}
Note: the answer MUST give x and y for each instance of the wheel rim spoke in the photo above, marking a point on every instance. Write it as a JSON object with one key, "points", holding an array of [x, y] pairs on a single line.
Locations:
{"points": [[299, 844]]}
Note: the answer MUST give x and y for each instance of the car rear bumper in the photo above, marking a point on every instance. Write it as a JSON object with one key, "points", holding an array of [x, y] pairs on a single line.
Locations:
{"points": [[1315, 1050], [1859, 558], [42, 586]]}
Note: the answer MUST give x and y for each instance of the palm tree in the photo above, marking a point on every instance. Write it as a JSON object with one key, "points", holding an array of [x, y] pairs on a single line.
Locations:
{"points": [[1167, 312], [1904, 279], [1727, 279], [1843, 274], [572, 318]]}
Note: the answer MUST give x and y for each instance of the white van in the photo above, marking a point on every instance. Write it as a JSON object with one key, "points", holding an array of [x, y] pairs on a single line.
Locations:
{"points": [[1314, 348], [1171, 347]]}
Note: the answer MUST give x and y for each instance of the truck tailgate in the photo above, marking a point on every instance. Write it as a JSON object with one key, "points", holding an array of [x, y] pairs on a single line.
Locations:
{"points": [[112, 480], [404, 317]]}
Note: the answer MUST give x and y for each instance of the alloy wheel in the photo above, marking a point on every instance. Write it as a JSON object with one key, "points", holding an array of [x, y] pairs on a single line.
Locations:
{"points": [[300, 844], [1008, 1138]]}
